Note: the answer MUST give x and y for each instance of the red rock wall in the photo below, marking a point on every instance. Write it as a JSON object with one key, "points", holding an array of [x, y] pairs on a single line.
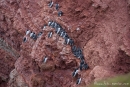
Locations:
{"points": [[103, 35], [6, 65]]}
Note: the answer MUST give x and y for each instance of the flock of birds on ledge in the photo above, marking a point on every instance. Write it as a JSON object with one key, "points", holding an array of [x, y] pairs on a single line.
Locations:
{"points": [[61, 32]]}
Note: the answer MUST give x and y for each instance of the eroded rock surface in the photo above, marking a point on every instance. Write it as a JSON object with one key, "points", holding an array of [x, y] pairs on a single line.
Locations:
{"points": [[6, 65], [99, 27]]}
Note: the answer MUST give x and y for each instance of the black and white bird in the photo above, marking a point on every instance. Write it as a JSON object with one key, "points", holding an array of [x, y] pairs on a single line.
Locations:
{"points": [[34, 36], [74, 51], [56, 25], [27, 32], [75, 72], [45, 59], [39, 34], [80, 56], [67, 40], [50, 34], [31, 34], [44, 26], [71, 42], [24, 39], [62, 33], [65, 35], [51, 3], [73, 48], [52, 24], [60, 13], [82, 62], [79, 53], [57, 6], [58, 30], [78, 81], [49, 23], [84, 66]]}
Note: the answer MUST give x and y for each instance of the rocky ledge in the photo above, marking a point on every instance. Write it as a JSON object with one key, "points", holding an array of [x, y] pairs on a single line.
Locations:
{"points": [[47, 43]]}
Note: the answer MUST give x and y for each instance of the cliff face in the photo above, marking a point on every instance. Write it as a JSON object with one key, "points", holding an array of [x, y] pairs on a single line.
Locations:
{"points": [[6, 65], [99, 27]]}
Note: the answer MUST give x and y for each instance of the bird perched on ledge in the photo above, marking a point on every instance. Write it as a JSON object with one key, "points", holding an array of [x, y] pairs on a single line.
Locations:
{"points": [[51, 3]]}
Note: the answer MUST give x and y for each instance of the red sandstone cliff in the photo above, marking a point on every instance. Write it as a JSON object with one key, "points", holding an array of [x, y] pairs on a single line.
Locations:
{"points": [[103, 35]]}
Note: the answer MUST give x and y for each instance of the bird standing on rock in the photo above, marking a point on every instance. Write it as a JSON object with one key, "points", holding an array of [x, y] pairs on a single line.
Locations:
{"points": [[27, 32], [75, 72], [49, 34], [52, 24], [71, 42], [57, 6], [45, 60], [31, 34], [34, 36], [84, 66], [51, 3], [78, 81], [62, 33], [49, 23], [67, 40], [24, 39], [60, 13], [58, 30], [44, 27], [39, 34]]}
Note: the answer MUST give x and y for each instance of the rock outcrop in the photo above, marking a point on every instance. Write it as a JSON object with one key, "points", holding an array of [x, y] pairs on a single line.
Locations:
{"points": [[99, 27]]}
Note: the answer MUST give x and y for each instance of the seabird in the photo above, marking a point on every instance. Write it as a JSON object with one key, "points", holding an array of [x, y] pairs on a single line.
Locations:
{"points": [[31, 34], [58, 26], [55, 25], [27, 32], [60, 13], [82, 62], [57, 6], [78, 81], [49, 23], [58, 30], [24, 39], [45, 60], [81, 57], [75, 72], [79, 52], [44, 27], [68, 40], [74, 48], [51, 4], [62, 33], [39, 34], [71, 42], [52, 24], [50, 34], [65, 35], [34, 36], [83, 65]]}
